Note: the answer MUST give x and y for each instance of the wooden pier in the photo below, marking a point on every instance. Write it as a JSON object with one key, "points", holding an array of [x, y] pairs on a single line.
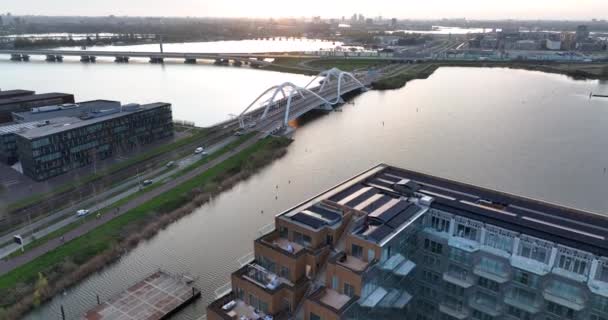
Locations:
{"points": [[156, 297]]}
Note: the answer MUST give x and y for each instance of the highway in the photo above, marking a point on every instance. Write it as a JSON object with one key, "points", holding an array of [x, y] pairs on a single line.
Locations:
{"points": [[64, 217]]}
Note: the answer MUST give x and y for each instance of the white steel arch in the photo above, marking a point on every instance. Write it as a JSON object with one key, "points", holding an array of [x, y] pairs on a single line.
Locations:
{"points": [[328, 77]]}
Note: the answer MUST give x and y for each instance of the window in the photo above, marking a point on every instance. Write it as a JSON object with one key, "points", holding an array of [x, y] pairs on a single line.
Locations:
{"points": [[478, 315], [530, 251], [522, 295], [458, 272], [302, 239], [357, 251], [430, 276], [525, 278], [284, 272], [283, 232], [349, 290], [313, 316], [433, 246], [460, 256], [454, 289], [566, 291], [431, 261], [466, 232], [486, 300], [597, 317], [561, 311], [498, 241], [491, 266], [572, 264], [602, 273], [335, 283], [488, 284], [600, 303], [518, 313], [440, 224]]}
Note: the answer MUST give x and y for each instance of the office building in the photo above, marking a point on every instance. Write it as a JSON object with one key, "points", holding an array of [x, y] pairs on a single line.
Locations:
{"points": [[391, 243], [15, 93], [73, 137], [582, 33], [26, 102]]}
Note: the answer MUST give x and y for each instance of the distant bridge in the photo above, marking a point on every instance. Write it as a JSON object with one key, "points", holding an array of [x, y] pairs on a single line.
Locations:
{"points": [[289, 101], [154, 57]]}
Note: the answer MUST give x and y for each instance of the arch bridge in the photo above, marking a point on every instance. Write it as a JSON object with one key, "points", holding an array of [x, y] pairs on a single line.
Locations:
{"points": [[288, 101]]}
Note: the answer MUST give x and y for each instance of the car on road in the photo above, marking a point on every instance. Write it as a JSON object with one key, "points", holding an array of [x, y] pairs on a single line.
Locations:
{"points": [[198, 150], [82, 212], [170, 164], [239, 133], [146, 183], [252, 125]]}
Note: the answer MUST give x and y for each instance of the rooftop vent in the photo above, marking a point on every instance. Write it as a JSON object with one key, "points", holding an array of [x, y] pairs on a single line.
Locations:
{"points": [[406, 187], [43, 123]]}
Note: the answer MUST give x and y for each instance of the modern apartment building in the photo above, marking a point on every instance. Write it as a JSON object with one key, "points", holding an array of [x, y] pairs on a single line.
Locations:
{"points": [[66, 141], [397, 244]]}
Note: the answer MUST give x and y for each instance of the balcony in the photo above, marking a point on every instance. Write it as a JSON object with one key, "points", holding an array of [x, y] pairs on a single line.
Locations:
{"points": [[456, 279], [351, 263], [530, 306], [229, 307], [573, 302], [275, 241], [500, 277], [530, 265], [456, 312], [332, 300], [261, 277]]}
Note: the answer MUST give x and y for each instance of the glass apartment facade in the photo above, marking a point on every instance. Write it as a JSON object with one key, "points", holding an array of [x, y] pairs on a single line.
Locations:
{"points": [[52, 150]]}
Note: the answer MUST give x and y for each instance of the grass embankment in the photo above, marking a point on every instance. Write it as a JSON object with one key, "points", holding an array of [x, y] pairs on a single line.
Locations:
{"points": [[74, 225], [21, 288], [26, 202], [347, 64], [290, 65], [398, 79]]}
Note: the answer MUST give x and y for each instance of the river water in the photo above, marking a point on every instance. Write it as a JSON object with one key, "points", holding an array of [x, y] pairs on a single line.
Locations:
{"points": [[523, 132]]}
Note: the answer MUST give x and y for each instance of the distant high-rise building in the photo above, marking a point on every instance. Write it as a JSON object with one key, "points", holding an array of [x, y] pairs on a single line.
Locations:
{"points": [[393, 22], [361, 17], [354, 18], [582, 33]]}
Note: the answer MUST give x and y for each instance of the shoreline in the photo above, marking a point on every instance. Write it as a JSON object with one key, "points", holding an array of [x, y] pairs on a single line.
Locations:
{"points": [[198, 191]]}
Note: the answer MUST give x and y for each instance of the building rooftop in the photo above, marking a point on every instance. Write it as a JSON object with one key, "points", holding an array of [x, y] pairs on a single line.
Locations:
{"points": [[381, 195], [56, 125], [15, 93], [65, 110], [33, 97], [14, 127]]}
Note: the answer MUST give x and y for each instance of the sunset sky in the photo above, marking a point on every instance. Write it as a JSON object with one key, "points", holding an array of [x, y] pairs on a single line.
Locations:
{"points": [[472, 9]]}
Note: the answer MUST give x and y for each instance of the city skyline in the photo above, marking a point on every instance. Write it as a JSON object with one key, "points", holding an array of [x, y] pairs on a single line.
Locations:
{"points": [[470, 9]]}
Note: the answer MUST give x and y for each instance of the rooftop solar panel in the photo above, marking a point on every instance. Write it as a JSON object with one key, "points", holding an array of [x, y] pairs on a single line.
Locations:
{"points": [[381, 233], [381, 183], [393, 211], [325, 213], [377, 204], [366, 195], [403, 216], [345, 193], [308, 220]]}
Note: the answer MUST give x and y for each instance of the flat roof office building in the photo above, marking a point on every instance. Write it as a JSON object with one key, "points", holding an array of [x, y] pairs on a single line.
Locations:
{"points": [[66, 141], [27, 102], [397, 244], [15, 93]]}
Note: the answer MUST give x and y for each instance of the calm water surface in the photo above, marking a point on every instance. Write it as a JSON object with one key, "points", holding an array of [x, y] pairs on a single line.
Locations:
{"points": [[523, 132]]}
